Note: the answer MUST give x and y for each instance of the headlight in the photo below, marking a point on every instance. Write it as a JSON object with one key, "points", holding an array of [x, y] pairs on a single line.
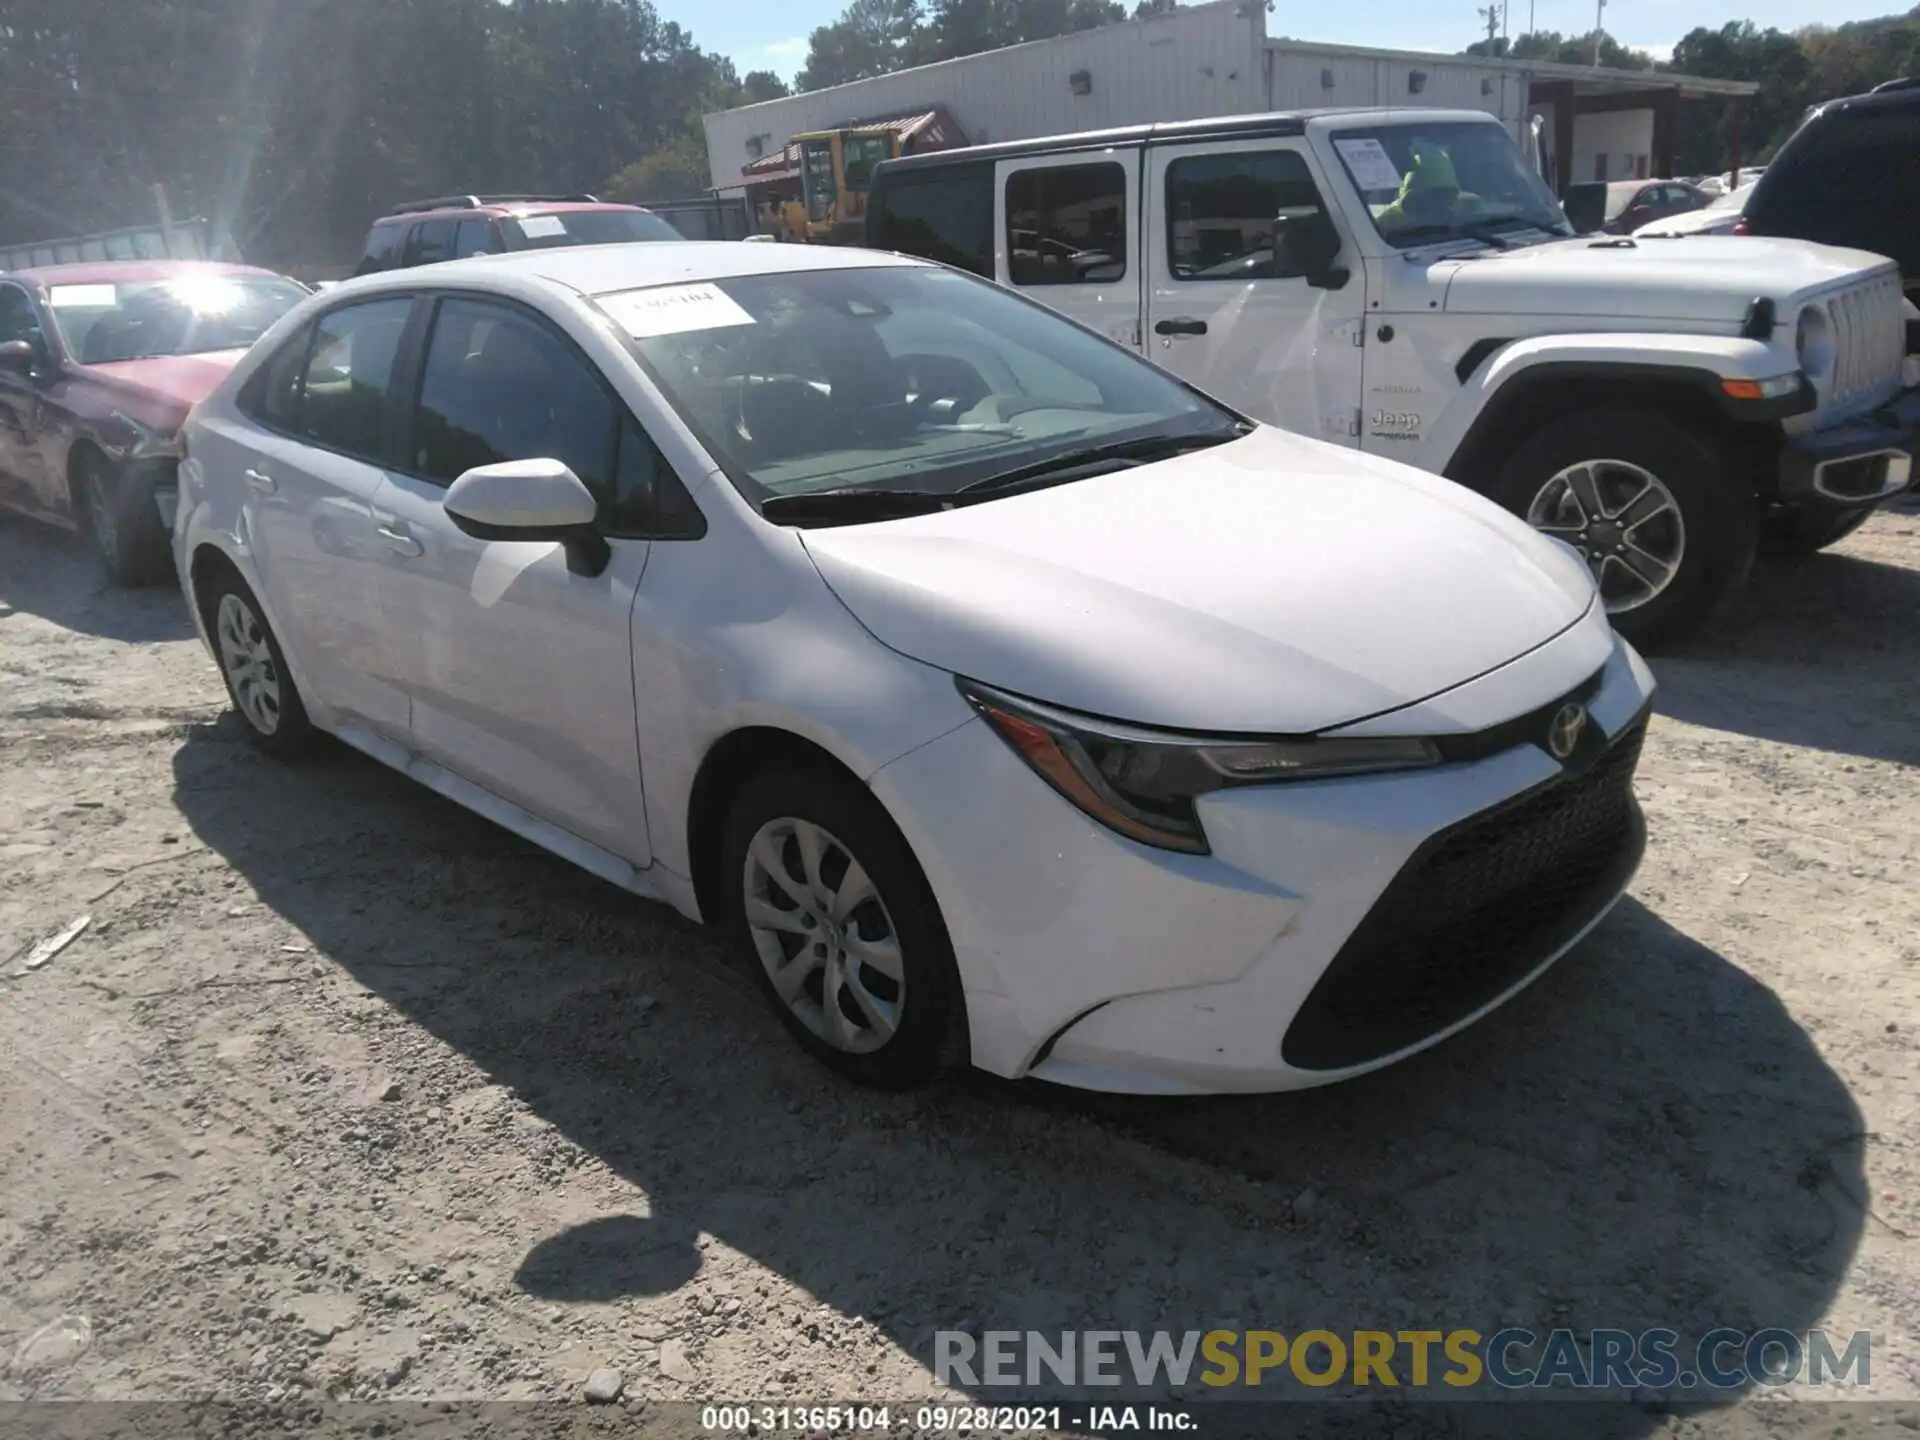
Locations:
{"points": [[1813, 340], [1143, 783]]}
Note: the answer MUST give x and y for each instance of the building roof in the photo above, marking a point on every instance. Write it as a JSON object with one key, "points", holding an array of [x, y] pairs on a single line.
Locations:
{"points": [[1600, 78]]}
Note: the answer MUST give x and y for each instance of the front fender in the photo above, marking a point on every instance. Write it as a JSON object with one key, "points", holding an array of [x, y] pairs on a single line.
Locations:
{"points": [[1696, 363]]}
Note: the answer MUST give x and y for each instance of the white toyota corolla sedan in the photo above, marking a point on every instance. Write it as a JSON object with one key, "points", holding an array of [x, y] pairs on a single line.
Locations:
{"points": [[1012, 701]]}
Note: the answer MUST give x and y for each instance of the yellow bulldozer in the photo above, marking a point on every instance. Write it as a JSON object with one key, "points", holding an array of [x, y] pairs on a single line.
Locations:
{"points": [[829, 172]]}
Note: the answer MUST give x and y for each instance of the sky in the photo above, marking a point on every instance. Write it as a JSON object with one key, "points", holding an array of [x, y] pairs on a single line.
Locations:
{"points": [[772, 34]]}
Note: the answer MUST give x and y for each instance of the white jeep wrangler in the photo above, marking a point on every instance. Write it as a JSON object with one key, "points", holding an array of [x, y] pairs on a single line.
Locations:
{"points": [[1403, 282]]}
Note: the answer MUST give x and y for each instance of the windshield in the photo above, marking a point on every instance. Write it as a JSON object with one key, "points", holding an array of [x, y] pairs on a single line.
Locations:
{"points": [[181, 315], [585, 227], [1431, 182], [893, 378]]}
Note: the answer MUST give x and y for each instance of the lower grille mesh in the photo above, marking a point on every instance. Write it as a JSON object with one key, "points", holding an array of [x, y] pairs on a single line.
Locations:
{"points": [[1476, 908]]}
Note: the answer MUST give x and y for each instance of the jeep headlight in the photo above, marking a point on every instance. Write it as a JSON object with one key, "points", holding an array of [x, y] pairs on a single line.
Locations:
{"points": [[1813, 341]]}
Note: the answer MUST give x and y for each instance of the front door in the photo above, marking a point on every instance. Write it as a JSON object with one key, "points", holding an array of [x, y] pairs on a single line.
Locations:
{"points": [[23, 477], [1223, 309], [1063, 228], [520, 671]]}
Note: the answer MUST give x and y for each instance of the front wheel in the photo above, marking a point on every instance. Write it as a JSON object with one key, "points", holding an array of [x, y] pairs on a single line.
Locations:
{"points": [[845, 935], [1651, 509], [123, 522]]}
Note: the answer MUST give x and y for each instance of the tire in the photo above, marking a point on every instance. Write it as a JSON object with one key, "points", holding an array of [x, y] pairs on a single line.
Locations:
{"points": [[900, 922], [255, 669], [1798, 533], [117, 510], [1705, 525]]}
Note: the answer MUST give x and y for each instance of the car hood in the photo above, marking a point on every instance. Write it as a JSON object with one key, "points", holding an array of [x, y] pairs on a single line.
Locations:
{"points": [[1274, 585], [180, 380], [1705, 277]]}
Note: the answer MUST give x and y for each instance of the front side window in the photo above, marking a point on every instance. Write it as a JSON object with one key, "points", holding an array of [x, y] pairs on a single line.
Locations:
{"points": [[498, 385], [18, 319], [342, 396], [585, 227], [1222, 210], [1424, 183], [1067, 224], [186, 314], [817, 177], [896, 377]]}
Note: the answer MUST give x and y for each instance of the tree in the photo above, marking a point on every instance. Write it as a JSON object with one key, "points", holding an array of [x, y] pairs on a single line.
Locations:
{"points": [[1552, 46], [872, 37], [969, 27]]}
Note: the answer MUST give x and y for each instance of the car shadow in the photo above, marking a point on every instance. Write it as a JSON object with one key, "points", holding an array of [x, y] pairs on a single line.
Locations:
{"points": [[52, 573], [1821, 652], [1645, 1138]]}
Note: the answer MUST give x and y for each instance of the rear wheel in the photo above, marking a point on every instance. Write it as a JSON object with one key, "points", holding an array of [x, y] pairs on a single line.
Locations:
{"points": [[1806, 532], [1649, 506], [845, 936], [258, 681], [122, 520]]}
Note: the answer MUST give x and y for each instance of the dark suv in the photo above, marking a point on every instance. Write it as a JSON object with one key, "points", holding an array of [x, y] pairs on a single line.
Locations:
{"points": [[1850, 175], [453, 227]]}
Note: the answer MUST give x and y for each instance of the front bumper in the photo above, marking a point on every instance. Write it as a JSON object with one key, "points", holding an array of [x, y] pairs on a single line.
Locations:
{"points": [[1858, 462], [1272, 963]]}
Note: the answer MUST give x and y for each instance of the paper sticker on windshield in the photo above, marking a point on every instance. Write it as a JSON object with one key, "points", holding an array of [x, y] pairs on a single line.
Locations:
{"points": [[1368, 161], [81, 297], [674, 310], [542, 227]]}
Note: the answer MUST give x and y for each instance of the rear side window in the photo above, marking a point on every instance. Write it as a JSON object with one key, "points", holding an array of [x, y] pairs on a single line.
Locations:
{"points": [[342, 400], [272, 395], [1847, 180], [945, 215], [1067, 224], [1221, 211], [499, 385], [432, 240], [383, 248]]}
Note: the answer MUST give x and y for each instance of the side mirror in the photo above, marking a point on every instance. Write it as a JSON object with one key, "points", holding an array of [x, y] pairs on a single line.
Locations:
{"points": [[531, 500], [18, 357], [1305, 248]]}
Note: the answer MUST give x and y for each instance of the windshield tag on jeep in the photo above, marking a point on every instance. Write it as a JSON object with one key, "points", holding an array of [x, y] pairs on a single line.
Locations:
{"points": [[674, 310]]}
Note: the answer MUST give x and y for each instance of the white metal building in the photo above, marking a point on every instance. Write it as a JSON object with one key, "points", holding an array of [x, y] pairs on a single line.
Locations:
{"points": [[1217, 59]]}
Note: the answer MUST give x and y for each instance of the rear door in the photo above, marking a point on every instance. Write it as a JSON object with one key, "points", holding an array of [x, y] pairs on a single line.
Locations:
{"points": [[1224, 312], [302, 466], [1063, 228]]}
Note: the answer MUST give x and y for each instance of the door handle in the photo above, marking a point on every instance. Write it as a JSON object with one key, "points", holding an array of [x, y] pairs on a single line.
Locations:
{"points": [[260, 481], [1181, 326], [400, 542]]}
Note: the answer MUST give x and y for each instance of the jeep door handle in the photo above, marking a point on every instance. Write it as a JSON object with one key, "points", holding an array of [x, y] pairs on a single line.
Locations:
{"points": [[1184, 325], [400, 542], [260, 480]]}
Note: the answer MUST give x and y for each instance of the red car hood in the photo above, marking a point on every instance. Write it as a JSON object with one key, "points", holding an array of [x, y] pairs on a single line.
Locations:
{"points": [[183, 380]]}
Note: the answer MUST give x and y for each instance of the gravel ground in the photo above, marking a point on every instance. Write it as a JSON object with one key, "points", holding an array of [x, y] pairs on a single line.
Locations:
{"points": [[345, 1093]]}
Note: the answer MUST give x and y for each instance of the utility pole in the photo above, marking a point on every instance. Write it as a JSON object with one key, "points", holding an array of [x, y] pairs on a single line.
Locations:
{"points": [[1492, 12], [1599, 29]]}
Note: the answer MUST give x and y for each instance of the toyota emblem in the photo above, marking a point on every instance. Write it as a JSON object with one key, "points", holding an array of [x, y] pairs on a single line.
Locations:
{"points": [[1563, 733]]}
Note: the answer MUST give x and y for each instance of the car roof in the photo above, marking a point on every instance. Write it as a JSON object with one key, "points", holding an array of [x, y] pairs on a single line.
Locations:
{"points": [[1277, 123], [603, 269], [508, 209], [129, 272]]}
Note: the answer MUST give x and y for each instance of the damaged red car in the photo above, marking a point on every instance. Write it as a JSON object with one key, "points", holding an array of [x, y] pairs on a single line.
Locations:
{"points": [[99, 364]]}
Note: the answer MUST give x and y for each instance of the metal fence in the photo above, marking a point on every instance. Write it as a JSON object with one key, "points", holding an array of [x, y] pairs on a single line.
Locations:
{"points": [[183, 240]]}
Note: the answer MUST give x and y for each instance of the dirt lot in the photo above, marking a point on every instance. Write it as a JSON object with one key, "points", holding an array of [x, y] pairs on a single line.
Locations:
{"points": [[346, 1093]]}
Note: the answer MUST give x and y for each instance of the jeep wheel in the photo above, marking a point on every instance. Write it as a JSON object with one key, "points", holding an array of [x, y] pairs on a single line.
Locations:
{"points": [[1807, 532], [1647, 503]]}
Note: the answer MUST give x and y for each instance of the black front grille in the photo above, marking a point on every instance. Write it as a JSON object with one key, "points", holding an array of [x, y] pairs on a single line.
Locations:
{"points": [[1476, 908]]}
